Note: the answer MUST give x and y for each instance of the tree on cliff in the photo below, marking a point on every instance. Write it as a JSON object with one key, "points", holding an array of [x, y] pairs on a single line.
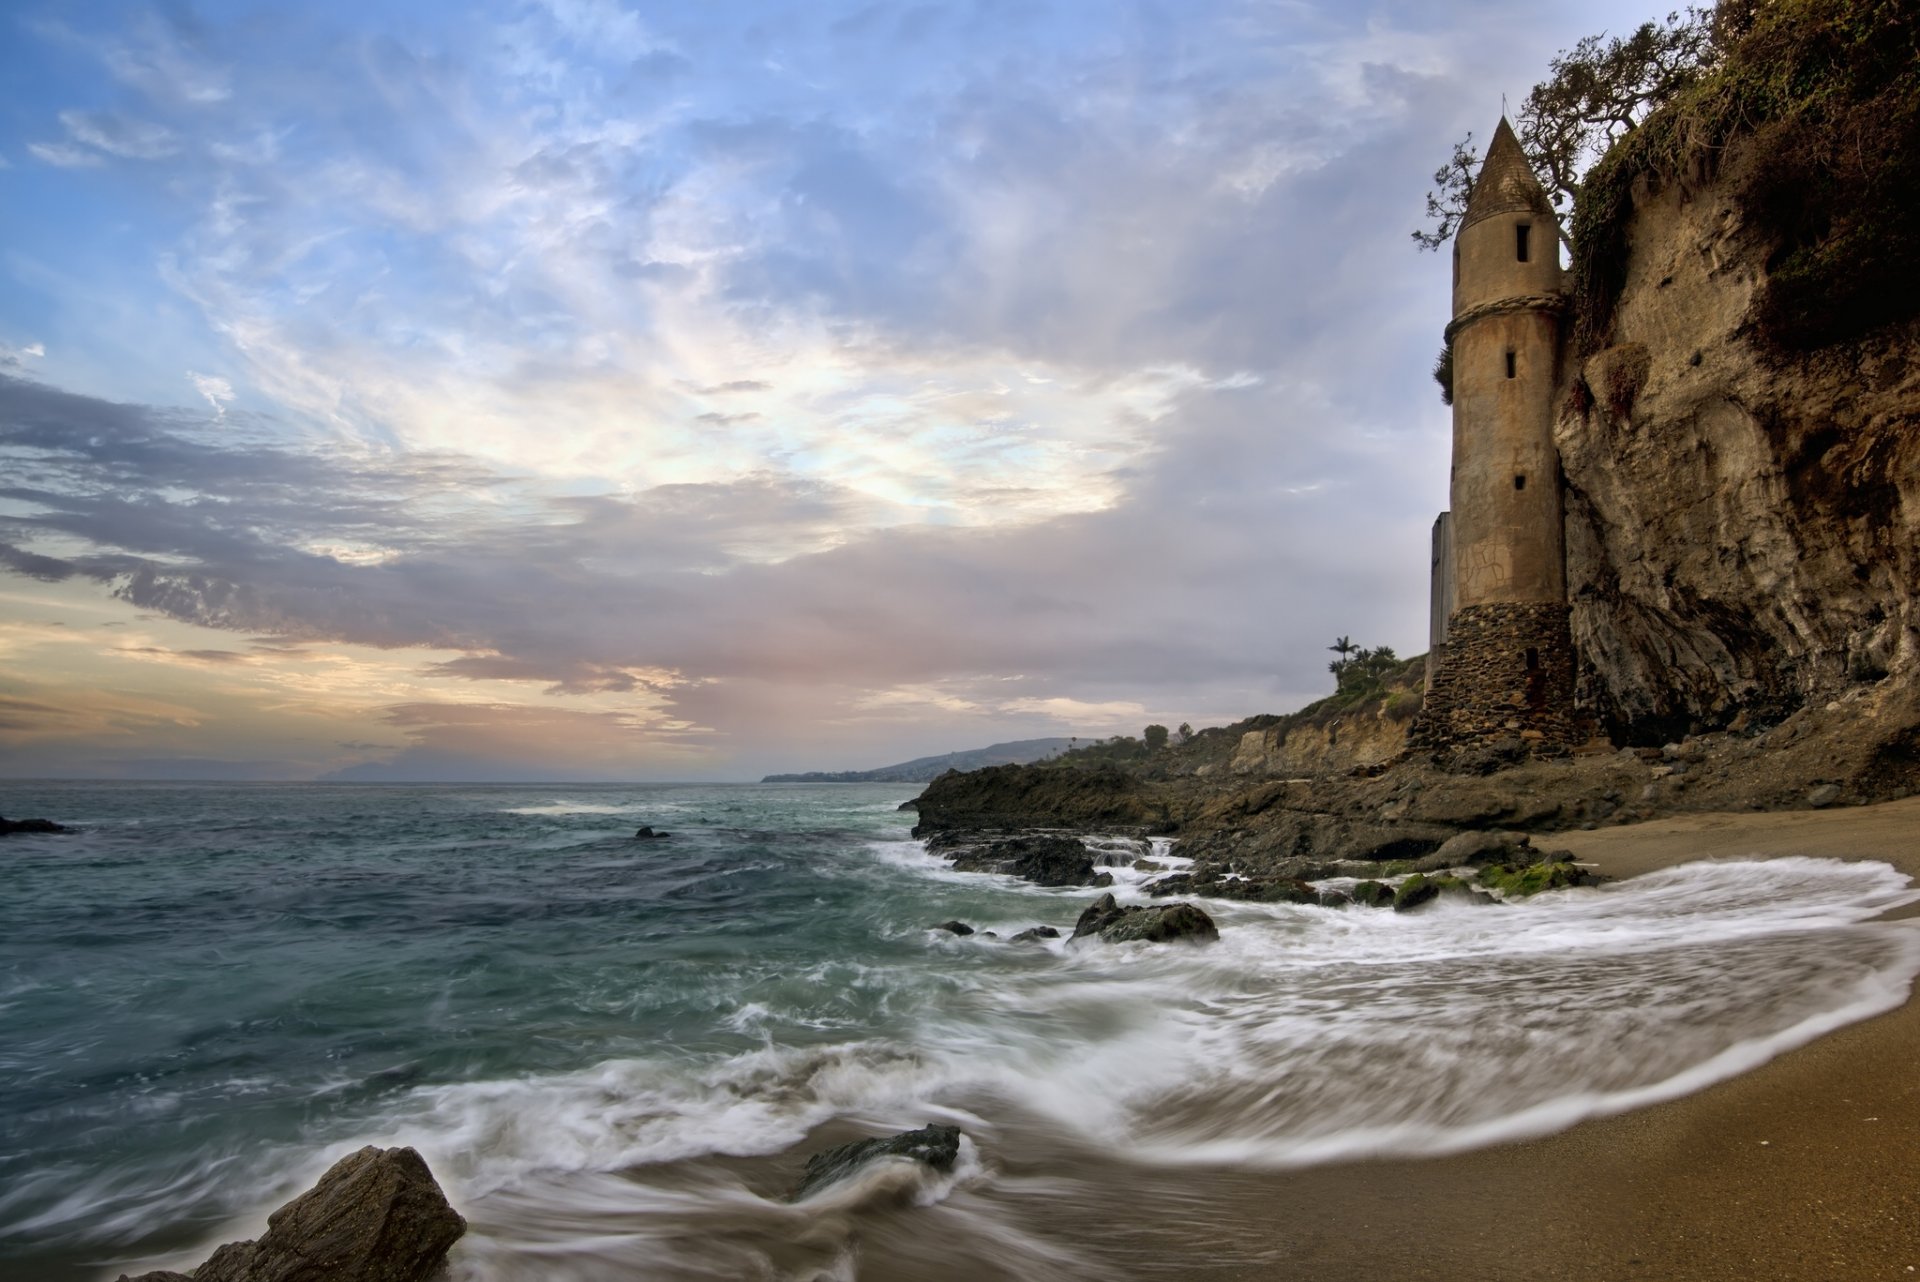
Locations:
{"points": [[1360, 672], [1596, 93], [1156, 737]]}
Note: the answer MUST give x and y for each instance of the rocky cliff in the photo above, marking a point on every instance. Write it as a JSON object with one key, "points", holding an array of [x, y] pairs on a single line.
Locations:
{"points": [[1740, 418], [1743, 527]]}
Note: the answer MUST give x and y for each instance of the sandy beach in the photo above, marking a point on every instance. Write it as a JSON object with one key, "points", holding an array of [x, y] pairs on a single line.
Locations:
{"points": [[1806, 1168]]}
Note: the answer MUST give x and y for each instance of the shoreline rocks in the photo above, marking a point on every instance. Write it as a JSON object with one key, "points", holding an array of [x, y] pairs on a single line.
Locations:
{"points": [[934, 1146], [1106, 920], [376, 1216], [1045, 859]]}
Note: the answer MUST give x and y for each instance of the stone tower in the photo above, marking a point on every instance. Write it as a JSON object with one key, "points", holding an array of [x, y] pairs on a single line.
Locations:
{"points": [[1505, 666]]}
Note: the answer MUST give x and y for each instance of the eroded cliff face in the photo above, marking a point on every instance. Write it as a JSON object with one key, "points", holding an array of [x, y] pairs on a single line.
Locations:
{"points": [[1743, 529], [1365, 737]]}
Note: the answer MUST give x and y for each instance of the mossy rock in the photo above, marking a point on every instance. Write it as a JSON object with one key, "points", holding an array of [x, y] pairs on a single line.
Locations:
{"points": [[1517, 882], [1372, 894], [1421, 889], [1415, 891]]}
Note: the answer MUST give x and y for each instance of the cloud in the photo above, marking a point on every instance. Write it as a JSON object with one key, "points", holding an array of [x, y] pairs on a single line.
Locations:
{"points": [[65, 155], [1188, 607], [217, 391], [192, 656], [165, 57], [512, 744], [119, 135], [816, 379], [15, 357]]}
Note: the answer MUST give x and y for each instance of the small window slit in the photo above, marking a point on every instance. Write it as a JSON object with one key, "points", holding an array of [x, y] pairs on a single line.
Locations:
{"points": [[1521, 235], [1520, 482], [1511, 369]]}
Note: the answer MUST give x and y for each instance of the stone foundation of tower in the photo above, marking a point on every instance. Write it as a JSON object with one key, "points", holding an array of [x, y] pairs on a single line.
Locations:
{"points": [[1507, 673]]}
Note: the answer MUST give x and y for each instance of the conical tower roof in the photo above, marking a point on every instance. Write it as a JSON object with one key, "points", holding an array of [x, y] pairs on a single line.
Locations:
{"points": [[1506, 184]]}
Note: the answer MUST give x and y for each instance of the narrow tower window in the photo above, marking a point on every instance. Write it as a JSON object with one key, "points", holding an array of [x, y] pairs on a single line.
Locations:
{"points": [[1510, 367], [1519, 482], [1521, 234]]}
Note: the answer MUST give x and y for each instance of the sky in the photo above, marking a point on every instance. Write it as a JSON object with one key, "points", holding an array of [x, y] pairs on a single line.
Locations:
{"points": [[578, 390]]}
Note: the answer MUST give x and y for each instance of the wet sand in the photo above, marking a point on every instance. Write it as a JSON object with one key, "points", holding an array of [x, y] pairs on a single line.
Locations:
{"points": [[1806, 1168]]}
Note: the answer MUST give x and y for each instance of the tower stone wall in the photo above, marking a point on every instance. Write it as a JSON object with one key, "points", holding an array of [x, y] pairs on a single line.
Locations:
{"points": [[1507, 669]]}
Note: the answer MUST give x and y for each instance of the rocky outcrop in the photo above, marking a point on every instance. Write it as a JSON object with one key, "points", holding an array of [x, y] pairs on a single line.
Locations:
{"points": [[1045, 859], [1035, 935], [1279, 889], [1106, 920], [1743, 526], [10, 826], [376, 1216], [1015, 797], [934, 1147]]}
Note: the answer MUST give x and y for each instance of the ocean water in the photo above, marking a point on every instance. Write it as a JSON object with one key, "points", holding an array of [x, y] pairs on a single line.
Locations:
{"points": [[616, 1055]]}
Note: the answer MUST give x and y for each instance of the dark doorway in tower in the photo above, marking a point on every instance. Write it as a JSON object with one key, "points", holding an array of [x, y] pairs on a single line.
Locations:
{"points": [[1536, 682], [1521, 235]]}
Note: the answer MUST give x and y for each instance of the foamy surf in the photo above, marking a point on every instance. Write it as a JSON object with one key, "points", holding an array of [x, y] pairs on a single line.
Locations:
{"points": [[617, 1056], [1306, 1035]]}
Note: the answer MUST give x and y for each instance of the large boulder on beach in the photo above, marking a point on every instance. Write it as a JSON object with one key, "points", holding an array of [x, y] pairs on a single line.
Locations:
{"points": [[1105, 919], [376, 1216], [935, 1147]]}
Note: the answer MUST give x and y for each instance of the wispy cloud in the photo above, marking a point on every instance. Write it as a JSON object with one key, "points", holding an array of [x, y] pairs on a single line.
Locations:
{"points": [[119, 135]]}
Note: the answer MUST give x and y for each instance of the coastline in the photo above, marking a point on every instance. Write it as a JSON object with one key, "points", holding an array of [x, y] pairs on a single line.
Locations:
{"points": [[1803, 1168]]}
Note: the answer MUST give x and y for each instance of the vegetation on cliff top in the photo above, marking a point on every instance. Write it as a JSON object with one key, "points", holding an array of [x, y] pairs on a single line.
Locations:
{"points": [[1825, 95], [1367, 682], [1828, 94]]}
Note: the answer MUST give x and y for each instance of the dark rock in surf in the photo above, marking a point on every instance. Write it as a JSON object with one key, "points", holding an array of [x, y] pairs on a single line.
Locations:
{"points": [[9, 826], [648, 834], [1107, 920], [376, 1216], [936, 1147], [1255, 890], [1415, 891], [1371, 894], [1419, 890], [1035, 935], [1046, 859], [953, 927]]}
